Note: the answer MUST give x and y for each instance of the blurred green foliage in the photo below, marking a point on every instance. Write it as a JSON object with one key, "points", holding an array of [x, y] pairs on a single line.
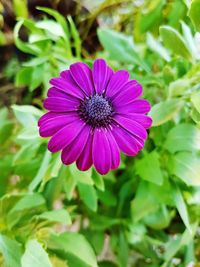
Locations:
{"points": [[147, 212]]}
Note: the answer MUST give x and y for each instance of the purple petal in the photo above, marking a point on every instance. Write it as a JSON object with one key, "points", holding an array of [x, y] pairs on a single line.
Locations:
{"points": [[54, 92], [116, 82], [101, 151], [45, 117], [74, 149], [137, 106], [142, 119], [82, 75], [68, 86], [58, 104], [84, 161], [51, 126], [114, 148], [101, 75], [131, 126], [129, 92], [65, 136], [126, 141]]}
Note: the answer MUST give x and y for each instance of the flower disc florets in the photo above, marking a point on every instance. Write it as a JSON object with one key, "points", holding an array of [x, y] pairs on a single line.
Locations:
{"points": [[96, 111]]}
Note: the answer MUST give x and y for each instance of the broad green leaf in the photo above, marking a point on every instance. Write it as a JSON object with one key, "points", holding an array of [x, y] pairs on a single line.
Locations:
{"points": [[183, 137], [157, 47], [11, 251], [158, 220], [69, 183], [174, 244], [187, 33], [27, 114], [120, 47], [98, 180], [88, 195], [74, 244], [186, 166], [81, 177], [195, 99], [179, 87], [174, 41], [28, 201], [51, 26], [165, 111], [195, 115], [181, 206], [41, 172], [61, 216], [152, 14], [148, 168], [194, 12], [107, 197], [36, 77], [62, 21], [143, 203], [23, 77], [35, 255]]}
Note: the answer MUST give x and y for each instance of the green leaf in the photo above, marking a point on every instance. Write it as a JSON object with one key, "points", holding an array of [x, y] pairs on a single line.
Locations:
{"points": [[27, 114], [186, 166], [23, 77], [51, 26], [80, 176], [75, 36], [165, 111], [36, 77], [157, 47], [181, 206], [61, 216], [28, 201], [88, 195], [20, 8], [123, 250], [187, 33], [62, 21], [194, 12], [183, 137], [98, 180], [195, 99], [174, 41], [148, 168], [41, 172], [69, 183], [74, 244], [11, 250], [120, 47], [35, 255], [158, 220], [175, 244], [143, 203], [29, 48]]}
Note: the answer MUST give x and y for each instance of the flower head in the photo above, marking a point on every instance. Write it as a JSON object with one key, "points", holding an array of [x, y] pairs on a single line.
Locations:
{"points": [[93, 115]]}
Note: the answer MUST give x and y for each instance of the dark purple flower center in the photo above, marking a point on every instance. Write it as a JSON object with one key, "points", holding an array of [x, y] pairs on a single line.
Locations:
{"points": [[96, 111]]}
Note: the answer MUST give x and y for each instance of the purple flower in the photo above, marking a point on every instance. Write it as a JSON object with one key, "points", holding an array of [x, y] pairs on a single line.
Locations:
{"points": [[93, 114]]}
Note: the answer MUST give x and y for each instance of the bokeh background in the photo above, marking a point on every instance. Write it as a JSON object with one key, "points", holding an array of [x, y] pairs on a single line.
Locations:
{"points": [[147, 212]]}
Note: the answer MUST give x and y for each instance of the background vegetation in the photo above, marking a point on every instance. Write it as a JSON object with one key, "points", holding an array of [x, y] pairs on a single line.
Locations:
{"points": [[147, 212]]}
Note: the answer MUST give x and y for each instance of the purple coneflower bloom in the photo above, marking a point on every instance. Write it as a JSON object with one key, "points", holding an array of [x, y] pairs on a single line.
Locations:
{"points": [[93, 115]]}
